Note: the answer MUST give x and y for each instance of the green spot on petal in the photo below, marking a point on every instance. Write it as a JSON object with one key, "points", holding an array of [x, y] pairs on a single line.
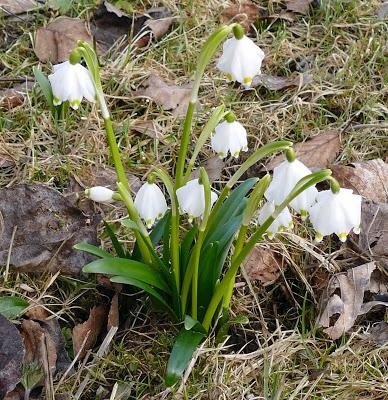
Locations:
{"points": [[229, 76], [247, 80]]}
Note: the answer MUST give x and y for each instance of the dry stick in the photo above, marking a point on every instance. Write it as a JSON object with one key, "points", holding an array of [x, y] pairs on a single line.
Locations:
{"points": [[48, 382], [9, 254], [101, 351]]}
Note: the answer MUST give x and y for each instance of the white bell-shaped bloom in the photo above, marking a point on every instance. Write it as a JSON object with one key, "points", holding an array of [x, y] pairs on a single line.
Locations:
{"points": [[100, 194], [229, 137], [337, 213], [241, 60], [285, 176], [71, 82], [150, 203], [282, 222], [191, 199]]}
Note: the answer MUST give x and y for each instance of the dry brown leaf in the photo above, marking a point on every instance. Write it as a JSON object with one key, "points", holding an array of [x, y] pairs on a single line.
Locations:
{"points": [[281, 82], [318, 152], [55, 42], [17, 6], [350, 303], [89, 330], [213, 167], [299, 6], [14, 97], [149, 128], [263, 264], [168, 95], [6, 161], [369, 179], [113, 316], [245, 13], [48, 226], [373, 238], [11, 356], [39, 345], [110, 24]]}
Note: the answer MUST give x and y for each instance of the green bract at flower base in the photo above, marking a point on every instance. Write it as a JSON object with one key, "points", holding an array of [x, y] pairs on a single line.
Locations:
{"points": [[189, 271]]}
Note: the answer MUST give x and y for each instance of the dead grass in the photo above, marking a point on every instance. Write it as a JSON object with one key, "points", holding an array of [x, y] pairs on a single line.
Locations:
{"points": [[279, 354]]}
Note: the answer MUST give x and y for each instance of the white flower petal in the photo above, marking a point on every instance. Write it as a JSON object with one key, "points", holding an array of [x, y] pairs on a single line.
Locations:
{"points": [[100, 194], [229, 137], [283, 221]]}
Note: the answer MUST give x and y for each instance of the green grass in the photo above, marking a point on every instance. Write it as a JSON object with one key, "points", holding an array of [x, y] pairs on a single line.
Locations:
{"points": [[344, 46]]}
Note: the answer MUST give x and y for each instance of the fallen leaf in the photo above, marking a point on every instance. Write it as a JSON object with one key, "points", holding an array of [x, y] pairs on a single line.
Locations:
{"points": [[14, 97], [213, 166], [262, 264], [350, 303], [89, 330], [113, 316], [11, 356], [373, 238], [55, 42], [110, 24], [299, 6], [281, 82], [382, 12], [47, 227], [315, 153], [12, 306], [379, 333], [369, 179], [166, 94], [17, 6], [245, 13], [149, 128]]}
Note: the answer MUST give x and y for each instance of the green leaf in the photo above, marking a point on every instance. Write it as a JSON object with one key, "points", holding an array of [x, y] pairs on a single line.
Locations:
{"points": [[130, 269], [147, 288], [91, 249], [193, 324], [12, 306], [116, 244], [44, 85], [185, 344], [128, 223], [186, 246]]}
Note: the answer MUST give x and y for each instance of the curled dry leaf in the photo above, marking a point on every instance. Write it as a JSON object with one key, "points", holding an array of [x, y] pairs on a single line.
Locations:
{"points": [[213, 166], [55, 42], [299, 6], [7, 161], [9, 7], [113, 316], [149, 128], [47, 227], [281, 82], [373, 238], [379, 333], [89, 331], [318, 152], [263, 264], [110, 24], [11, 356], [245, 13], [14, 97], [369, 179], [350, 303], [168, 95]]}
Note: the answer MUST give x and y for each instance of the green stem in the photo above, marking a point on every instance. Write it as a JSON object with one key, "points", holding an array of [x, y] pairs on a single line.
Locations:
{"points": [[194, 284]]}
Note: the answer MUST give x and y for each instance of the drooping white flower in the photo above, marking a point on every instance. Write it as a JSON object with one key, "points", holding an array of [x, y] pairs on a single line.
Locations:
{"points": [[191, 199], [231, 137], [285, 176], [100, 194], [282, 222], [241, 60], [337, 213], [71, 82], [150, 203]]}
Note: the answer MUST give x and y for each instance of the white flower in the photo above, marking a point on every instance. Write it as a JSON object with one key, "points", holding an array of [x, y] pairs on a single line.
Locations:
{"points": [[285, 176], [283, 221], [191, 198], [229, 137], [337, 213], [241, 60], [100, 194], [150, 203], [71, 82]]}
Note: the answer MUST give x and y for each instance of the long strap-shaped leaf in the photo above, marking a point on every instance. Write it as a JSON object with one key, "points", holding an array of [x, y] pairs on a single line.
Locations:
{"points": [[91, 249], [147, 288], [128, 268]]}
